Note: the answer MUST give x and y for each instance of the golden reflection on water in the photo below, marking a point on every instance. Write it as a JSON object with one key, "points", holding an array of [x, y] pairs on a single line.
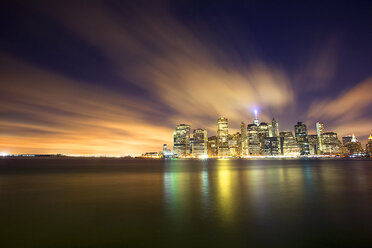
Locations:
{"points": [[225, 188]]}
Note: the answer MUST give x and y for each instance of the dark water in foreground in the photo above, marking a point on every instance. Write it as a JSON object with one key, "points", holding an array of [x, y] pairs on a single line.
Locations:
{"points": [[184, 203]]}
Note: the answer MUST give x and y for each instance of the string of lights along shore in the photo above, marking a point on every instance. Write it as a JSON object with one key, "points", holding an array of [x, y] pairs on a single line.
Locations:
{"points": [[261, 139]]}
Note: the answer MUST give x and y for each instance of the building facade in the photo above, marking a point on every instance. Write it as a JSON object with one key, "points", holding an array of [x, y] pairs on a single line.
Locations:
{"points": [[244, 139], [313, 144], [271, 146], [275, 128], [302, 139], [319, 132], [331, 144], [223, 137], [235, 146], [212, 147], [288, 144], [253, 140], [181, 140], [200, 144], [369, 146]]}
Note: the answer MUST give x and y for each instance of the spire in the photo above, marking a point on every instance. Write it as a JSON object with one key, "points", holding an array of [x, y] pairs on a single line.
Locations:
{"points": [[256, 117]]}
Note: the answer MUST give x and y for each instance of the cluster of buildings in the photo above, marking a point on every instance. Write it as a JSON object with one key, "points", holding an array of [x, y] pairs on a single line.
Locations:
{"points": [[261, 139]]}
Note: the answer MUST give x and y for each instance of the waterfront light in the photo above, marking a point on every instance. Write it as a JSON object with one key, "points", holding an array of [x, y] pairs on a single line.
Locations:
{"points": [[4, 154]]}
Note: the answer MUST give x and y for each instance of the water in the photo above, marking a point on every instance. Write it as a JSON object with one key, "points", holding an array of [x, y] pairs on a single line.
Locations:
{"points": [[185, 203]]}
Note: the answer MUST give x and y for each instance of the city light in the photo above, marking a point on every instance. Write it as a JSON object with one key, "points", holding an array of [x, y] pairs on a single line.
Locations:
{"points": [[4, 154], [261, 140]]}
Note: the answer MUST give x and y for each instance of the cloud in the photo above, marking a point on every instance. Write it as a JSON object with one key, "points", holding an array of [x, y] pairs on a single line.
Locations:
{"points": [[155, 51], [348, 113], [47, 113], [184, 79], [349, 104]]}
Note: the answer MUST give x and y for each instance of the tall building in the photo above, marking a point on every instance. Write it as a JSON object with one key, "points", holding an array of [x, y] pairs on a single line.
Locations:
{"points": [[352, 145], [235, 146], [167, 153], [275, 128], [369, 146], [263, 132], [288, 144], [253, 139], [347, 139], [319, 132], [200, 144], [301, 137], [181, 140], [223, 136], [212, 147], [313, 144], [244, 139], [331, 144], [271, 146], [255, 121]]}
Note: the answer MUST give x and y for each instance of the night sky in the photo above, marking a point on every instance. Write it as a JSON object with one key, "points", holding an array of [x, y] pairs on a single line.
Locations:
{"points": [[115, 77]]}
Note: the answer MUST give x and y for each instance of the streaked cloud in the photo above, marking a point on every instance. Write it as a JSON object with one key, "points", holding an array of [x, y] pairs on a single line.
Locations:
{"points": [[47, 113], [349, 112]]}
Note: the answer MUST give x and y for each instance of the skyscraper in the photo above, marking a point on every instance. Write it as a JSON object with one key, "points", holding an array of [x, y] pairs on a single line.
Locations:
{"points": [[200, 145], [369, 145], [331, 144], [263, 132], [253, 139], [235, 146], [271, 146], [244, 139], [319, 132], [222, 137], [255, 121], [288, 144], [212, 147], [346, 139], [301, 137], [275, 128], [313, 144], [352, 145], [181, 140]]}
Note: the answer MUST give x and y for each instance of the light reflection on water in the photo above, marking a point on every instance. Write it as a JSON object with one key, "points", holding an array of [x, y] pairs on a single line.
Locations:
{"points": [[179, 203]]}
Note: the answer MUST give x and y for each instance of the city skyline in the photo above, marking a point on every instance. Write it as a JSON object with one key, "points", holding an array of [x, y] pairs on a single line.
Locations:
{"points": [[116, 77], [264, 139]]}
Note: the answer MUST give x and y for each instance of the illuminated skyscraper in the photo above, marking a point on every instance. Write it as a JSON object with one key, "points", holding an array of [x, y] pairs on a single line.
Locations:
{"points": [[352, 145], [369, 146], [222, 137], [212, 147], [253, 139], [263, 132], [235, 147], [346, 139], [200, 145], [275, 128], [181, 140], [288, 144], [301, 137], [256, 117], [244, 139], [319, 132], [331, 144], [271, 146], [313, 144]]}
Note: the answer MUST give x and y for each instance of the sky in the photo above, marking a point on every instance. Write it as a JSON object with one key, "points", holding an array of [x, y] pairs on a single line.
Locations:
{"points": [[116, 77]]}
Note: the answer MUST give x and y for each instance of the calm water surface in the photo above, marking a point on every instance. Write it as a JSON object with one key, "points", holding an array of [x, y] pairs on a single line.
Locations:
{"points": [[185, 203]]}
